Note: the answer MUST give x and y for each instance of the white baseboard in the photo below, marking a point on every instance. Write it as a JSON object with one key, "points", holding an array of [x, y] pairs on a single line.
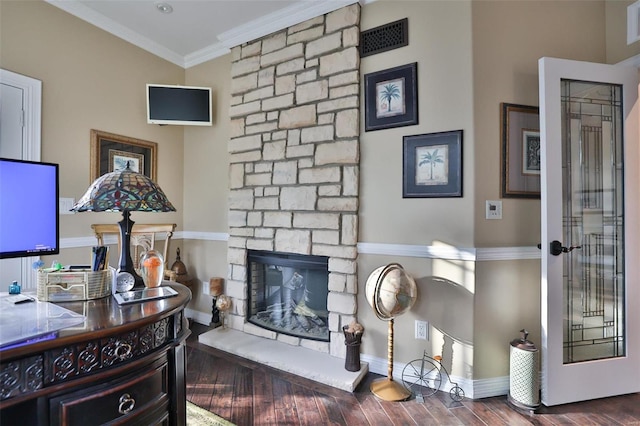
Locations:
{"points": [[494, 386], [199, 317], [474, 389]]}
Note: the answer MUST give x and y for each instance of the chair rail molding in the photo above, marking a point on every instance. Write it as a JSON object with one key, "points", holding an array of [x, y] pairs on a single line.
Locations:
{"points": [[479, 254]]}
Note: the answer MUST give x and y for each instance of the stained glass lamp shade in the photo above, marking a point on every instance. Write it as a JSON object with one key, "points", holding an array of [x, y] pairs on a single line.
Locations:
{"points": [[124, 191]]}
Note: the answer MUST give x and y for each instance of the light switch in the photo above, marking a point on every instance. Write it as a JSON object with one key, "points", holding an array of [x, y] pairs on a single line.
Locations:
{"points": [[66, 204], [494, 209]]}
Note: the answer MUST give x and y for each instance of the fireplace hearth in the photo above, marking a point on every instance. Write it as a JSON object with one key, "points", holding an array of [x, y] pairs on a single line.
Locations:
{"points": [[287, 293]]}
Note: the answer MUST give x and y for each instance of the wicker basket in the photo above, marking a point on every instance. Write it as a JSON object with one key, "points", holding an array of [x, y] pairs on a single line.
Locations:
{"points": [[77, 285]]}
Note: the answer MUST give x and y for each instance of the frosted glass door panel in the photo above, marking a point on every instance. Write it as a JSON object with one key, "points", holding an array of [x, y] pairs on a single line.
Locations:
{"points": [[593, 220]]}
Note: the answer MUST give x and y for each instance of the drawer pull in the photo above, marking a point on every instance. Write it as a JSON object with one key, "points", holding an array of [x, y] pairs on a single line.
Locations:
{"points": [[126, 404], [123, 350]]}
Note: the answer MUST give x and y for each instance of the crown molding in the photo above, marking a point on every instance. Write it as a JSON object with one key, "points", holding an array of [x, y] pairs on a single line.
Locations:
{"points": [[205, 54], [268, 24], [89, 15], [287, 17], [263, 26]]}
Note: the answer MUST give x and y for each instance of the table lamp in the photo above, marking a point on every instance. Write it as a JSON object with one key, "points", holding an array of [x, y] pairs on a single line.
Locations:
{"points": [[125, 191]]}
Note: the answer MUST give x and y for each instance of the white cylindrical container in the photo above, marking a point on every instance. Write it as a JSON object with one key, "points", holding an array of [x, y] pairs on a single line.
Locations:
{"points": [[524, 377]]}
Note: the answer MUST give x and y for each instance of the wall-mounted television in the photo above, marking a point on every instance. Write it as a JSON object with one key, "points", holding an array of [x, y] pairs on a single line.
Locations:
{"points": [[29, 219], [181, 105]]}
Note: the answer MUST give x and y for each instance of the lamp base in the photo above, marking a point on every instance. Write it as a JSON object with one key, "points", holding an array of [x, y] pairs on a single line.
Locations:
{"points": [[388, 390], [126, 264]]}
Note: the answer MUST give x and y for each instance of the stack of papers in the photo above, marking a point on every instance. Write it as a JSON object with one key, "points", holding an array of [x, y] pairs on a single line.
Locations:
{"points": [[30, 321]]}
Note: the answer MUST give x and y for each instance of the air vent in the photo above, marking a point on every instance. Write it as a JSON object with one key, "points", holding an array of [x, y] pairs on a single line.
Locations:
{"points": [[385, 37]]}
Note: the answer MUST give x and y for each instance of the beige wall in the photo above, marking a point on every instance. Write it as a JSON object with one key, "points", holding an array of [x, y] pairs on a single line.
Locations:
{"points": [[440, 41], [206, 180], [206, 159], [617, 47], [507, 292], [507, 71], [471, 56], [507, 300], [90, 80], [445, 299]]}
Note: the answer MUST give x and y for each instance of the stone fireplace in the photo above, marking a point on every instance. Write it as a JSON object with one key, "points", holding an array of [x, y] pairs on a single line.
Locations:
{"points": [[294, 169]]}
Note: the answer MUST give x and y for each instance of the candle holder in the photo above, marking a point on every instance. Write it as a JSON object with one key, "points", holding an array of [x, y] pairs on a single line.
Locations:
{"points": [[216, 287]]}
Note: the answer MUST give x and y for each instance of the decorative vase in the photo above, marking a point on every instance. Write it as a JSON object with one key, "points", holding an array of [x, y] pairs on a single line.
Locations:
{"points": [[152, 268], [353, 338]]}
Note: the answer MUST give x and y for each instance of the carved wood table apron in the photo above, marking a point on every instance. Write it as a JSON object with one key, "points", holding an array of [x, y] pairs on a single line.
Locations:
{"points": [[124, 364]]}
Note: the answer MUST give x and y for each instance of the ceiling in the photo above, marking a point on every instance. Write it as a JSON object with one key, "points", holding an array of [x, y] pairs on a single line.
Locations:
{"points": [[196, 30]]}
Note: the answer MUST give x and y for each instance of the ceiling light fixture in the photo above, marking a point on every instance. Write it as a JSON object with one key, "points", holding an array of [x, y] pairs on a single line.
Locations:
{"points": [[164, 7]]}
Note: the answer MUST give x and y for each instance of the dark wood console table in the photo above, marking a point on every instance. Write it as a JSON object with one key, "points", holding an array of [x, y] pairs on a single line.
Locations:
{"points": [[124, 365]]}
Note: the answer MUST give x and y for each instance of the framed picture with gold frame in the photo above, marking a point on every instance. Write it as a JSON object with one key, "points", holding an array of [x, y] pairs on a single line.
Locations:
{"points": [[520, 153], [111, 152]]}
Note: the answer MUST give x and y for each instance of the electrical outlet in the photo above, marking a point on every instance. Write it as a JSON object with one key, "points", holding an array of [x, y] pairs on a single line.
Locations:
{"points": [[422, 330]]}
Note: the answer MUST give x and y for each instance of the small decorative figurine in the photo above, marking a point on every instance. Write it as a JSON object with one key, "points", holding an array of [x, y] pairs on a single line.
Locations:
{"points": [[223, 304]]}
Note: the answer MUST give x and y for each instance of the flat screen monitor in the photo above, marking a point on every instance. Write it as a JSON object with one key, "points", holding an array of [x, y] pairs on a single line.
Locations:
{"points": [[29, 220], [181, 105]]}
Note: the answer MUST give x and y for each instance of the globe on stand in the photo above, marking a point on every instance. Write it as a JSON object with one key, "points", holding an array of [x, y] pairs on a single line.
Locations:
{"points": [[390, 291]]}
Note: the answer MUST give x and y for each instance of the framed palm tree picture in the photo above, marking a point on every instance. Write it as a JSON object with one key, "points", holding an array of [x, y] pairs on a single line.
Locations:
{"points": [[391, 97], [432, 165]]}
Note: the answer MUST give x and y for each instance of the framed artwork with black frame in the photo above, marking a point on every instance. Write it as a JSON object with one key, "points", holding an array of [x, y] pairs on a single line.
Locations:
{"points": [[432, 165], [391, 97], [111, 152], [520, 154]]}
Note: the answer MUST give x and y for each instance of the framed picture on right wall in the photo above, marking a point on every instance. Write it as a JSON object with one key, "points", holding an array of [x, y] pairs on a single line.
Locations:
{"points": [[520, 153], [432, 165]]}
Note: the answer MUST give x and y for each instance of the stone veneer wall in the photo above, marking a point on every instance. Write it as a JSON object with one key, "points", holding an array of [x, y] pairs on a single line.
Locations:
{"points": [[294, 160]]}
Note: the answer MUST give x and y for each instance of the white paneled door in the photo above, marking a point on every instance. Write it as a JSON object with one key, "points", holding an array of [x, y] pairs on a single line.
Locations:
{"points": [[590, 307], [20, 112]]}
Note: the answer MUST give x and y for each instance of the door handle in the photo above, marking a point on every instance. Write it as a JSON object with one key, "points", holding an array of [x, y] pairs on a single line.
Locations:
{"points": [[556, 248]]}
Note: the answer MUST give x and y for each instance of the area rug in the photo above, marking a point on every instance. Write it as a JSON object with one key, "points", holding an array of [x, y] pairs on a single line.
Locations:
{"points": [[197, 416]]}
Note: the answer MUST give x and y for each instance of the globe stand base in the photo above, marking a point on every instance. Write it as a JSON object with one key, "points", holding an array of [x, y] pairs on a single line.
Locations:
{"points": [[388, 390]]}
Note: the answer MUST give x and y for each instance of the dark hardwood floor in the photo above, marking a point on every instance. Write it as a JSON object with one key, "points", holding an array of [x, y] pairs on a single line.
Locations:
{"points": [[247, 393]]}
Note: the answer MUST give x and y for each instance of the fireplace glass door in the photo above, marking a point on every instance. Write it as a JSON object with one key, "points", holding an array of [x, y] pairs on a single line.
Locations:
{"points": [[288, 293]]}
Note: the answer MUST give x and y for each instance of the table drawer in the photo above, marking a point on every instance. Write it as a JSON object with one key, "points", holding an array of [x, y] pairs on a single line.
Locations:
{"points": [[119, 401]]}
